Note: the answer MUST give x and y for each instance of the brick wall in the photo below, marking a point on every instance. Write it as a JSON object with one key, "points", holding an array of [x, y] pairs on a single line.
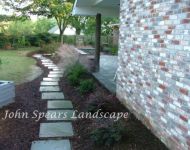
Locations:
{"points": [[154, 67]]}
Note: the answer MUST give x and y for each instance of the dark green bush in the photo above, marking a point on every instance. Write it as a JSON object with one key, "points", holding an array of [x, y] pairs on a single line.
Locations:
{"points": [[33, 40], [4, 40], [73, 80], [86, 86], [48, 48], [0, 61], [108, 136], [74, 73], [69, 40], [114, 50]]}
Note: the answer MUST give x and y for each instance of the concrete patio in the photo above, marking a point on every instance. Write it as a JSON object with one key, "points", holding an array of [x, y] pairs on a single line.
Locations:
{"points": [[108, 67]]}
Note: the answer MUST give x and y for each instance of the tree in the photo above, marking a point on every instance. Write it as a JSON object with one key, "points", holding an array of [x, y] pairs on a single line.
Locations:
{"points": [[58, 9], [78, 23], [20, 28], [43, 25], [106, 22]]}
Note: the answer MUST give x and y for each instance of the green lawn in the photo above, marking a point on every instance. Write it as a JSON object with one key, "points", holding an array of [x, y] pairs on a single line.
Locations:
{"points": [[15, 65]]}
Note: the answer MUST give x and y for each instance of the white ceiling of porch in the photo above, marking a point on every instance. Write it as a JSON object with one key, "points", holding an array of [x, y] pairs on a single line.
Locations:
{"points": [[92, 7]]}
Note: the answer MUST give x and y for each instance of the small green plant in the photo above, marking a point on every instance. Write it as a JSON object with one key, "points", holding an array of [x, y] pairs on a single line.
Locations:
{"points": [[0, 61], [114, 50], [86, 86], [74, 74], [108, 136], [73, 80]]}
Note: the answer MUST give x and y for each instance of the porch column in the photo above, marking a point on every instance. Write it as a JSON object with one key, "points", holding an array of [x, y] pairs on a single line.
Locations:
{"points": [[98, 43]]}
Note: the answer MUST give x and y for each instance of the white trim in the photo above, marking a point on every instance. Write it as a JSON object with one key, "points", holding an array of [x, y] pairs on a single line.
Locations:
{"points": [[92, 11]]}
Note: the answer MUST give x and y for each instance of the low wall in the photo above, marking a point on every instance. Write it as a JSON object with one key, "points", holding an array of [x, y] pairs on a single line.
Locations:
{"points": [[7, 92], [153, 78]]}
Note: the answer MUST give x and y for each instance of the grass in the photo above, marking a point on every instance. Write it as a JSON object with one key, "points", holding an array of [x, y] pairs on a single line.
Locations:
{"points": [[15, 64]]}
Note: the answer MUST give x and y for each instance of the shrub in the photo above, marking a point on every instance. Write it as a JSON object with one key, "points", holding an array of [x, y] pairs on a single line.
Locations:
{"points": [[0, 61], [114, 50], [108, 136], [4, 39], [33, 40], [69, 40], [86, 86], [74, 73], [73, 80], [106, 103], [48, 48]]}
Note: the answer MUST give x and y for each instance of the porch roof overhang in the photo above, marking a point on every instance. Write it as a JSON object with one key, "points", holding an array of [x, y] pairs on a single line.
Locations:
{"points": [[108, 8]]}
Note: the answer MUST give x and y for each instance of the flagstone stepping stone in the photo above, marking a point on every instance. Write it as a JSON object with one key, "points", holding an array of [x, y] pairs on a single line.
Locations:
{"points": [[49, 88], [51, 145], [56, 71], [51, 79], [60, 104], [38, 56], [60, 115], [46, 61], [50, 65], [56, 129], [52, 95], [48, 83], [51, 68], [55, 75]]}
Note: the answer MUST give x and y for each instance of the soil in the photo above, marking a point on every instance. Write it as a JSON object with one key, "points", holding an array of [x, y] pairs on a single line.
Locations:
{"points": [[18, 134], [138, 137]]}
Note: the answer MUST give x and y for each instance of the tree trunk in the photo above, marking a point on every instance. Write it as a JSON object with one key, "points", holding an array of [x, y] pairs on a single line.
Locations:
{"points": [[61, 36], [78, 31], [98, 42]]}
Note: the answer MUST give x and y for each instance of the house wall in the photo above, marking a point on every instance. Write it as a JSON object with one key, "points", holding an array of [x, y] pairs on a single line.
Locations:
{"points": [[154, 67]]}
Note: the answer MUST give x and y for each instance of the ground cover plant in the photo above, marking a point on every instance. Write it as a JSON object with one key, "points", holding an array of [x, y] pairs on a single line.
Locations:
{"points": [[75, 74], [104, 134], [86, 86], [108, 136]]}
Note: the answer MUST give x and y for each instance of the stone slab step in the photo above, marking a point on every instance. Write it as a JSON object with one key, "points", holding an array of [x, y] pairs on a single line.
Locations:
{"points": [[49, 89], [57, 115], [59, 104], [55, 75], [58, 69], [56, 72], [50, 65], [44, 83], [51, 79], [52, 95], [56, 129], [51, 145]]}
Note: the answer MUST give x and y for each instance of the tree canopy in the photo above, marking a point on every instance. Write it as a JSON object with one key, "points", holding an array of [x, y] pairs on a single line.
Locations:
{"points": [[58, 9]]}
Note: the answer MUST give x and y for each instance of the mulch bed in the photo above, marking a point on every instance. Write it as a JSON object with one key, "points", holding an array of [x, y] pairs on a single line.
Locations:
{"points": [[138, 136], [18, 134]]}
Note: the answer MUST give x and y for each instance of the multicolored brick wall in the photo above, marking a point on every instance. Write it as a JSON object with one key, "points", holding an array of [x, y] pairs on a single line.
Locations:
{"points": [[154, 67]]}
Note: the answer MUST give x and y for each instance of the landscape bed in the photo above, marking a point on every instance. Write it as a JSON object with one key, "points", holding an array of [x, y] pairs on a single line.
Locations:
{"points": [[18, 134], [137, 136]]}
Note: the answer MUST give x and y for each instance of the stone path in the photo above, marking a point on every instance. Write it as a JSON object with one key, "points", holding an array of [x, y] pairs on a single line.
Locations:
{"points": [[55, 132]]}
